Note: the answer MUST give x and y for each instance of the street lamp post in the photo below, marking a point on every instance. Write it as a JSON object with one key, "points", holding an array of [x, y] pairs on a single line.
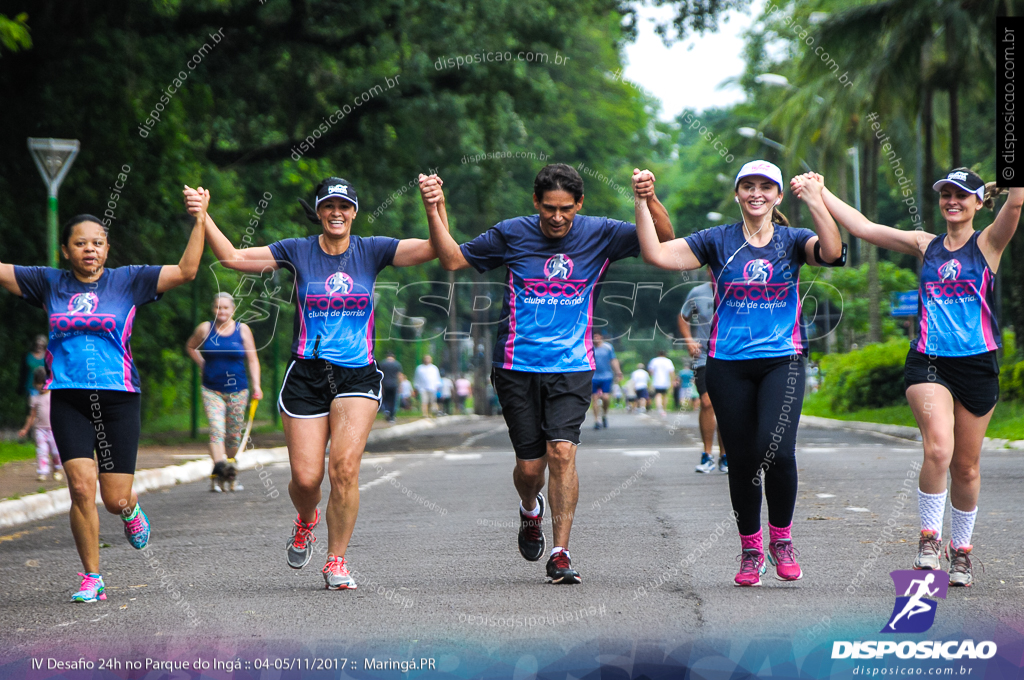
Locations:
{"points": [[751, 133], [53, 159]]}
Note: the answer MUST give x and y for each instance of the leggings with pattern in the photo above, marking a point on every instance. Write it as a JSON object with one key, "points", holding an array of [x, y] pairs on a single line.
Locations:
{"points": [[226, 413]]}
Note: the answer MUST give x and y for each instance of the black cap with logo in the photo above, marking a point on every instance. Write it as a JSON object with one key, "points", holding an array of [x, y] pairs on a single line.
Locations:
{"points": [[968, 181]]}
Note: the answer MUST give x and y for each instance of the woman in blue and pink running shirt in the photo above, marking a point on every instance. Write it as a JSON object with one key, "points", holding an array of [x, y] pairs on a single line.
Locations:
{"points": [[94, 387], [952, 372], [755, 366], [332, 388]]}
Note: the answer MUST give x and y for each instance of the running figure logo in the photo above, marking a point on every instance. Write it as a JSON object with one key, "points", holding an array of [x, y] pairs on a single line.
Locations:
{"points": [[757, 271], [339, 282], [950, 270], [558, 267], [914, 612], [83, 303]]}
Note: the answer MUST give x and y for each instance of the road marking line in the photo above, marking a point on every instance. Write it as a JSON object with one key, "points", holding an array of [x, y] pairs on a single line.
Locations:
{"points": [[855, 509], [825, 495], [462, 456], [15, 536], [386, 478], [640, 453]]}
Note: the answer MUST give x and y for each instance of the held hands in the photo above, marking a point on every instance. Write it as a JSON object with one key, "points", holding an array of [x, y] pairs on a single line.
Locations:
{"points": [[430, 190], [808, 186], [643, 184], [197, 201]]}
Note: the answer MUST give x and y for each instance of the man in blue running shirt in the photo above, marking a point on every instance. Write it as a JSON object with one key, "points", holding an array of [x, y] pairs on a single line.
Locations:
{"points": [[543, 361], [606, 369]]}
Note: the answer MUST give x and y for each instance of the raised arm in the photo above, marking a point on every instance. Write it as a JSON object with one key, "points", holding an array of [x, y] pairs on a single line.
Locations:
{"points": [[645, 190], [174, 275], [249, 260], [808, 189], [445, 247], [253, 361], [909, 242], [674, 254], [996, 236]]}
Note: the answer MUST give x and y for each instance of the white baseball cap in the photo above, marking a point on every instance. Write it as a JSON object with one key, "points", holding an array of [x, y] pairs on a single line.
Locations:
{"points": [[769, 170]]}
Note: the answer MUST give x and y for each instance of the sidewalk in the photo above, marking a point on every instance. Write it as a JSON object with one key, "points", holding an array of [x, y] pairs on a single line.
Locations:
{"points": [[161, 466]]}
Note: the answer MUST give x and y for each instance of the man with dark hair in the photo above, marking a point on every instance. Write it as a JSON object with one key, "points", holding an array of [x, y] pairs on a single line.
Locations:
{"points": [[543, 360]]}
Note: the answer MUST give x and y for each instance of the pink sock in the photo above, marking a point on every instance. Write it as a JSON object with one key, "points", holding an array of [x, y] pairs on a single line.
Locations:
{"points": [[779, 533], [753, 541]]}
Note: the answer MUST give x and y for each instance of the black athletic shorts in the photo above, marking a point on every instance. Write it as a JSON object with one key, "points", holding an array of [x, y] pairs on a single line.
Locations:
{"points": [[104, 422], [542, 407], [972, 380], [310, 385], [700, 380]]}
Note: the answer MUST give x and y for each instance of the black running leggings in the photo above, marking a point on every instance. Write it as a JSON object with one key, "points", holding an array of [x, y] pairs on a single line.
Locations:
{"points": [[757, 403]]}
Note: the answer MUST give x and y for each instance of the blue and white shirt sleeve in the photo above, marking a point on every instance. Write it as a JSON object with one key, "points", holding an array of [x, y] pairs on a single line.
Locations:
{"points": [[487, 251], [622, 240], [33, 283]]}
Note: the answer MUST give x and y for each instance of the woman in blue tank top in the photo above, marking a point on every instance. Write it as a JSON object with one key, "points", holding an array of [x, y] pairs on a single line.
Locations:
{"points": [[951, 373], [224, 348]]}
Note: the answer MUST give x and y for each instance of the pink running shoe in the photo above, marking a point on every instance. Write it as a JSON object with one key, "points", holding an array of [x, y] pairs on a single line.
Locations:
{"points": [[751, 567], [782, 555]]}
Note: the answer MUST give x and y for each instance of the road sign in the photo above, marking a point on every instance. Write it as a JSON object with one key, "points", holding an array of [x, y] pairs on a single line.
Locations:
{"points": [[53, 158], [904, 303]]}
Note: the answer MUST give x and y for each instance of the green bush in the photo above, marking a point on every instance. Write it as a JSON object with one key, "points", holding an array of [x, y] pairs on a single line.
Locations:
{"points": [[1011, 381], [871, 377]]}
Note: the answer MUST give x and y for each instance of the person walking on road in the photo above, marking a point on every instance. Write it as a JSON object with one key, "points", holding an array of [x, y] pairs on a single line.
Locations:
{"points": [[606, 370], [695, 328], [332, 388], [34, 358], [427, 381], [95, 405], [39, 421], [391, 370], [641, 380], [755, 366], [662, 372], [543, 361], [223, 349], [952, 369]]}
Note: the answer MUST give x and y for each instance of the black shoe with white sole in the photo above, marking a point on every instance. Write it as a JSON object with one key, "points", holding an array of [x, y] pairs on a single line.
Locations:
{"points": [[531, 533], [560, 569]]}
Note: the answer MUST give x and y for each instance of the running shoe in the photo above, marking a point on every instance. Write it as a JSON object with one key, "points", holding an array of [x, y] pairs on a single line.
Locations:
{"points": [[531, 533], [751, 567], [597, 425], [961, 570], [58, 476], [42, 478], [300, 547], [91, 590], [707, 464], [782, 555], [723, 464], [336, 574], [560, 569], [136, 527], [928, 550], [604, 422]]}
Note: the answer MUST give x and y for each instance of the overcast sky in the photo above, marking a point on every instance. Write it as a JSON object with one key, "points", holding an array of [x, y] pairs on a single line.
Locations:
{"points": [[688, 74]]}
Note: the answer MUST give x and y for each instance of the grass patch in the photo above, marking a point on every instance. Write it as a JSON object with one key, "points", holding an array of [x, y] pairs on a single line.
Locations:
{"points": [[1007, 422], [16, 451]]}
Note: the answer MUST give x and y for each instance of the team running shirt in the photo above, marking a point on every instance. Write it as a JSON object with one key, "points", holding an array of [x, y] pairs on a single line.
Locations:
{"points": [[334, 319], [955, 302], [90, 323], [603, 356], [548, 310], [757, 300]]}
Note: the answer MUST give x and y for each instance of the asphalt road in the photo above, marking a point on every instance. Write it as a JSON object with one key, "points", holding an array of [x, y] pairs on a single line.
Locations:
{"points": [[434, 553]]}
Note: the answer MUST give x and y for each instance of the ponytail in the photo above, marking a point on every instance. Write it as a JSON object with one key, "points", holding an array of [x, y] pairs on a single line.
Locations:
{"points": [[779, 218], [991, 193]]}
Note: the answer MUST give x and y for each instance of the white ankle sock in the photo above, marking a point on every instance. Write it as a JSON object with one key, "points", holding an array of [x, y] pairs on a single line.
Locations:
{"points": [[932, 507], [530, 513], [559, 549], [963, 527]]}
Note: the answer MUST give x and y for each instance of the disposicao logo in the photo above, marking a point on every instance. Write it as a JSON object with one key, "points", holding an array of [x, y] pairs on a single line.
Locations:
{"points": [[914, 612]]}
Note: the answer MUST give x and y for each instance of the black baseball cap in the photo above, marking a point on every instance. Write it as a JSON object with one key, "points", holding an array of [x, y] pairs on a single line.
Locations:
{"points": [[336, 187], [968, 181]]}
